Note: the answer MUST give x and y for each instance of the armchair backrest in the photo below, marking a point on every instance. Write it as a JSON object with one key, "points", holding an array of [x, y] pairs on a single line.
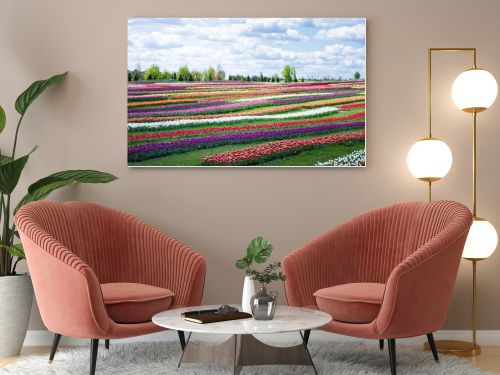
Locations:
{"points": [[386, 236], [379, 241], [94, 233]]}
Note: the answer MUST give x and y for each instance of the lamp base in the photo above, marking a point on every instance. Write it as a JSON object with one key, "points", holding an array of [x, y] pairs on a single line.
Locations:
{"points": [[456, 348]]}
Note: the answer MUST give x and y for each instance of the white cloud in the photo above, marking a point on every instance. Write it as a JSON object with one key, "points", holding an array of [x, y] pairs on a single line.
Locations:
{"points": [[155, 39], [295, 35], [272, 24], [355, 32]]}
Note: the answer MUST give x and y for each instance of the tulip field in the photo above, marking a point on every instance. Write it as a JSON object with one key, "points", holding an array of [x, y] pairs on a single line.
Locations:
{"points": [[233, 123]]}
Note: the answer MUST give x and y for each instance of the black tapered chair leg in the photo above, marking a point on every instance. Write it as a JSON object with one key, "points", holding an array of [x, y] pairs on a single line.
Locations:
{"points": [[392, 355], [432, 344], [106, 344], [55, 344], [381, 344], [182, 339], [307, 333], [94, 346]]}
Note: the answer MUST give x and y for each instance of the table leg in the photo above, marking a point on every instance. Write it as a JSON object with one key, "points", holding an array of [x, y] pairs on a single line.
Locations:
{"points": [[305, 340], [223, 353], [236, 366], [246, 350], [184, 350]]}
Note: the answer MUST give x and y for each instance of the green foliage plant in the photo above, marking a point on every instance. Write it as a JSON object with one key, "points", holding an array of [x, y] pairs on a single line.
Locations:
{"points": [[259, 250], [209, 74], [11, 169], [184, 74], [270, 273], [152, 73]]}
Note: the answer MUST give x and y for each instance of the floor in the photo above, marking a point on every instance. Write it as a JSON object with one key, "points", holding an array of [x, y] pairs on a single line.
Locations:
{"points": [[488, 360]]}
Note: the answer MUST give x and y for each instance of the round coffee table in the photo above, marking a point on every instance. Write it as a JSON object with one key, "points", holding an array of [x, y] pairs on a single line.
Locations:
{"points": [[242, 348]]}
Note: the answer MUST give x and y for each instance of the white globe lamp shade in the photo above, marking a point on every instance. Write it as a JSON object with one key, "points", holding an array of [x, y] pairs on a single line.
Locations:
{"points": [[481, 241], [474, 90], [429, 159]]}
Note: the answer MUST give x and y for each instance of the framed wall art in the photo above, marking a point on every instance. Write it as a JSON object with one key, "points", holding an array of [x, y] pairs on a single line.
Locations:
{"points": [[287, 92]]}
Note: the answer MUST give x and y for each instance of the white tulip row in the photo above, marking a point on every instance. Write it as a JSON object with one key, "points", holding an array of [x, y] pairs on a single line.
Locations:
{"points": [[283, 96], [354, 159], [222, 119]]}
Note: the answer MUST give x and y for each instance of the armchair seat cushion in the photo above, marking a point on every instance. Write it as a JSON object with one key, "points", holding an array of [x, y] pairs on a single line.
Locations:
{"points": [[135, 303], [351, 303]]}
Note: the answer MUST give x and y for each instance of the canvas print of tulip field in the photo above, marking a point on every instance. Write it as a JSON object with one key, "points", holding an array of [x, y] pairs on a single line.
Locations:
{"points": [[246, 92]]}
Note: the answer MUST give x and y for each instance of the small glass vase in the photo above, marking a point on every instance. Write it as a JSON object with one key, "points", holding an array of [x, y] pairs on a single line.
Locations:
{"points": [[263, 304]]}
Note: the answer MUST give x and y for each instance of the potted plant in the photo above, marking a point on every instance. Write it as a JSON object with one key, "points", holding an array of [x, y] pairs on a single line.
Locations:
{"points": [[16, 291], [258, 251]]}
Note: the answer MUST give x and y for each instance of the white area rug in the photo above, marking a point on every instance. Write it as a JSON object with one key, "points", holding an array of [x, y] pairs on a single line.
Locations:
{"points": [[162, 358]]}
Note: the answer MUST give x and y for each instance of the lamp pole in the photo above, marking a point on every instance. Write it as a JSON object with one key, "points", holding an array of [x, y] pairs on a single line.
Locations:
{"points": [[454, 347]]}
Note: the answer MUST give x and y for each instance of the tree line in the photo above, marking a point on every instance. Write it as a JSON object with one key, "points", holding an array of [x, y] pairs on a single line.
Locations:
{"points": [[154, 73]]}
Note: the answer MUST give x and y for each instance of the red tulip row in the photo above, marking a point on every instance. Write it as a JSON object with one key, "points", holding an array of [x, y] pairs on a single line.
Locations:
{"points": [[277, 148], [351, 106]]}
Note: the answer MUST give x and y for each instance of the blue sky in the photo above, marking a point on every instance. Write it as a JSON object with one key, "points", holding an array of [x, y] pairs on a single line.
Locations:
{"points": [[317, 47]]}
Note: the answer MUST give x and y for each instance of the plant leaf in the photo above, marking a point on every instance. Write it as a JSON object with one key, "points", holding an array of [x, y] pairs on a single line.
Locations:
{"points": [[86, 176], [3, 119], [15, 250], [10, 172], [4, 159], [42, 193], [259, 249], [29, 95], [242, 263], [43, 187]]}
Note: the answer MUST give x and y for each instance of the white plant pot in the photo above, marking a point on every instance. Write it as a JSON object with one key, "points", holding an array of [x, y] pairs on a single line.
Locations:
{"points": [[248, 292], [16, 298]]}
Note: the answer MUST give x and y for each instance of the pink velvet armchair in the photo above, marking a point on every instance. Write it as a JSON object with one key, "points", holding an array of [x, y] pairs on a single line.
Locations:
{"points": [[385, 274], [99, 273]]}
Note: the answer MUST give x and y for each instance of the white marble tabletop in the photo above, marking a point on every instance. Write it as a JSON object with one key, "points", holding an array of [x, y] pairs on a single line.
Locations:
{"points": [[286, 319]]}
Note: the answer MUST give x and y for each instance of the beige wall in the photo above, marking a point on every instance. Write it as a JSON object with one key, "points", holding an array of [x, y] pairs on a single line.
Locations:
{"points": [[82, 124]]}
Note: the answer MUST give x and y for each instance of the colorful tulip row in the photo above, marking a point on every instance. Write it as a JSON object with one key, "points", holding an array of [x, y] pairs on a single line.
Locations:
{"points": [[153, 150], [200, 104], [190, 132], [230, 107], [146, 88], [267, 151], [346, 107], [258, 110], [147, 126], [239, 92]]}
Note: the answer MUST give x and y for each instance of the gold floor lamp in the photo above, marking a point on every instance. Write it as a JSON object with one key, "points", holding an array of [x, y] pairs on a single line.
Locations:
{"points": [[430, 159]]}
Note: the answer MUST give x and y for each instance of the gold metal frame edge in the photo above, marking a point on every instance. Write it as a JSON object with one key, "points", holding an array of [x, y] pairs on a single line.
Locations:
{"points": [[456, 348]]}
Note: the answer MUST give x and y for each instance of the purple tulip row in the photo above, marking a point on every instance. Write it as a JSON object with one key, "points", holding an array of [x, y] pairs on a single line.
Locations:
{"points": [[250, 103], [133, 97], [204, 103]]}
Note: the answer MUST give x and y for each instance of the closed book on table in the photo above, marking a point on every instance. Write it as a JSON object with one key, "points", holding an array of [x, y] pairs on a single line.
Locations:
{"points": [[212, 317]]}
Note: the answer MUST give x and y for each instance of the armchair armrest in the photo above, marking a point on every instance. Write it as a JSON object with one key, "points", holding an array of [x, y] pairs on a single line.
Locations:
{"points": [[165, 262], [68, 292], [321, 263], [419, 289]]}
